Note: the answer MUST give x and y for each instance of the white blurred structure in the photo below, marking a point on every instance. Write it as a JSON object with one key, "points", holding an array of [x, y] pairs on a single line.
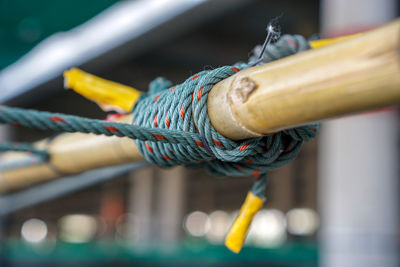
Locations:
{"points": [[219, 226], [268, 229], [197, 223], [77, 228], [302, 221], [358, 175], [34, 230]]}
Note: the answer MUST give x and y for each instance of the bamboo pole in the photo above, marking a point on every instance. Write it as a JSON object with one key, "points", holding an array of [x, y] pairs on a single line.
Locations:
{"points": [[353, 75], [71, 153]]}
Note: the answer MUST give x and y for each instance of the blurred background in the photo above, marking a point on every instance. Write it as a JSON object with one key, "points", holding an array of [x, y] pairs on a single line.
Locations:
{"points": [[335, 205]]}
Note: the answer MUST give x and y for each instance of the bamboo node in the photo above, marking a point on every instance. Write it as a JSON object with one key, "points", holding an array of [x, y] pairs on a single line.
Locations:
{"points": [[242, 89]]}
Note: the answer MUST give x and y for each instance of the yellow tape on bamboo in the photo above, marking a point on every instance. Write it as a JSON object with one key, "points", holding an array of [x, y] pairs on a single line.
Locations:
{"points": [[237, 233], [107, 94], [324, 42]]}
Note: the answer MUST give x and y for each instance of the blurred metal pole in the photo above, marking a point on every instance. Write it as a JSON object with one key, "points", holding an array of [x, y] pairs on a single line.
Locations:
{"points": [[358, 176], [171, 203], [5, 134], [44, 192], [140, 204], [156, 202]]}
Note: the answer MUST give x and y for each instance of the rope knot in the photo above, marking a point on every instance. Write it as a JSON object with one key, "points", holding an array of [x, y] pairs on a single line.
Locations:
{"points": [[184, 108]]}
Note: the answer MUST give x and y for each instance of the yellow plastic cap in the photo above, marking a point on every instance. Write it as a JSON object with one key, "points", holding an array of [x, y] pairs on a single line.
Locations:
{"points": [[238, 231], [107, 94]]}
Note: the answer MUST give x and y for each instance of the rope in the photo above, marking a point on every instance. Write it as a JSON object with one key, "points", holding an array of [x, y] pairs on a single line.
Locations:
{"points": [[68, 123], [38, 155], [286, 45], [23, 147], [164, 122], [21, 162]]}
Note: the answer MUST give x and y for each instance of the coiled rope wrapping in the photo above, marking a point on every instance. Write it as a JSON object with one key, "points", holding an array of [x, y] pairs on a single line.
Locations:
{"points": [[164, 128], [183, 106]]}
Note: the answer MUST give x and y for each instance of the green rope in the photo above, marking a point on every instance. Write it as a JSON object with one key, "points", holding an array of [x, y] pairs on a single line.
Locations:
{"points": [[23, 147], [37, 155]]}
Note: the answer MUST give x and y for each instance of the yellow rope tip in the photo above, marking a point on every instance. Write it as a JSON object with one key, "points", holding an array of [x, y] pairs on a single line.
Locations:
{"points": [[107, 94], [238, 231], [232, 246]]}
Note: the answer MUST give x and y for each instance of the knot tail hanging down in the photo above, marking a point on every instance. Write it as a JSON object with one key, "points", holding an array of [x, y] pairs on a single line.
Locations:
{"points": [[254, 201]]}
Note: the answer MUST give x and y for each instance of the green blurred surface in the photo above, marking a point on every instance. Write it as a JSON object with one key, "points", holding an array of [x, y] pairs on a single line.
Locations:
{"points": [[24, 23], [296, 253]]}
